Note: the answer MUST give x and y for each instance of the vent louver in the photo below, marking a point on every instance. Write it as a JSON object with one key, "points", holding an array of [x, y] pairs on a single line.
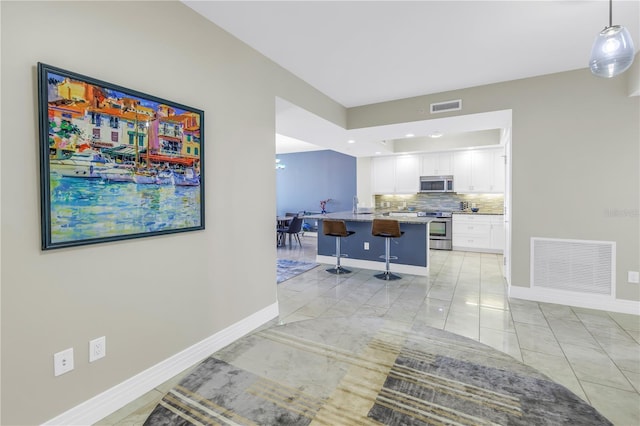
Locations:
{"points": [[573, 265], [446, 106]]}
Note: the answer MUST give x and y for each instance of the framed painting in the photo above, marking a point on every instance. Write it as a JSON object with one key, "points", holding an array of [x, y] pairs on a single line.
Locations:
{"points": [[115, 163]]}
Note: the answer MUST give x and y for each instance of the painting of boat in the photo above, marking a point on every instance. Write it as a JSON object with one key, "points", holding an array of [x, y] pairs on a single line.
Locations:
{"points": [[87, 164], [114, 162], [117, 174], [145, 177], [165, 177], [187, 178]]}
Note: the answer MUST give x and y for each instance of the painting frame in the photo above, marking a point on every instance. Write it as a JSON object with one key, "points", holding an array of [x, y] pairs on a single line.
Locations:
{"points": [[115, 163]]}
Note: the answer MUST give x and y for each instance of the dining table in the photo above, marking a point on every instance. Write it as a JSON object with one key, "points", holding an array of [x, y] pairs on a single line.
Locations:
{"points": [[282, 222]]}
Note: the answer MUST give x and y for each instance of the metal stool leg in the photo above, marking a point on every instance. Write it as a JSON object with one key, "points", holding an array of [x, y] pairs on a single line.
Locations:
{"points": [[387, 275], [338, 269]]}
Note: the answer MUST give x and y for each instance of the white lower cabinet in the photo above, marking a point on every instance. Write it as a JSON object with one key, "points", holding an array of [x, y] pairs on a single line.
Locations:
{"points": [[478, 233], [497, 233]]}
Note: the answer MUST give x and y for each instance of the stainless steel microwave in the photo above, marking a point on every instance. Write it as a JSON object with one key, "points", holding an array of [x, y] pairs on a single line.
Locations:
{"points": [[436, 183]]}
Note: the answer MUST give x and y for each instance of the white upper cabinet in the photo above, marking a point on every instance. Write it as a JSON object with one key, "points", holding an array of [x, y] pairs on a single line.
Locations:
{"points": [[437, 164], [407, 174], [395, 175], [480, 170], [383, 175], [475, 171], [499, 170], [462, 171]]}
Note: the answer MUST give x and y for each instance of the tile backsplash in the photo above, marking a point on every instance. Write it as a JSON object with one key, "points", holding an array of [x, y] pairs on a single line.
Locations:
{"points": [[487, 203]]}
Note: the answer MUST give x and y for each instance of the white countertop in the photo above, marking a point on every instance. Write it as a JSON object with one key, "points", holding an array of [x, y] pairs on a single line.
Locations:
{"points": [[350, 216], [478, 213]]}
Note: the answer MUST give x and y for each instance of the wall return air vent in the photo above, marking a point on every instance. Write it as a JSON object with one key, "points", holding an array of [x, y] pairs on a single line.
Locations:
{"points": [[446, 106], [579, 266]]}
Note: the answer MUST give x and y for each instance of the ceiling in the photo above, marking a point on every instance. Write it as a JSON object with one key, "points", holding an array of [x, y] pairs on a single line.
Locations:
{"points": [[364, 52]]}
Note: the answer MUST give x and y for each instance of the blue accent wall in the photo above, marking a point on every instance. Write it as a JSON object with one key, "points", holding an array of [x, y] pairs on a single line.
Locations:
{"points": [[309, 177]]}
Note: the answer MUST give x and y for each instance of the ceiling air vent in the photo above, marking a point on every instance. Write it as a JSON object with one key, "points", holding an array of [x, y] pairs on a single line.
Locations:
{"points": [[446, 106]]}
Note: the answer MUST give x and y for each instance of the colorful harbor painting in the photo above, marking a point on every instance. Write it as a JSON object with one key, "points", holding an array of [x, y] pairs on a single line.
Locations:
{"points": [[115, 163]]}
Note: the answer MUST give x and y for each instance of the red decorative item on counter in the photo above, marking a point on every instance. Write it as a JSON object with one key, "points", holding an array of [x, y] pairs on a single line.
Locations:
{"points": [[323, 205]]}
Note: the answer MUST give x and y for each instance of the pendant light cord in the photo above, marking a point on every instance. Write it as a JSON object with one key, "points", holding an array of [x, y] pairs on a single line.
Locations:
{"points": [[610, 13]]}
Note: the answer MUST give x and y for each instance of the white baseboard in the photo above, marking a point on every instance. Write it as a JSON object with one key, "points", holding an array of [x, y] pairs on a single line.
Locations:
{"points": [[100, 406], [376, 266], [478, 250], [575, 299]]}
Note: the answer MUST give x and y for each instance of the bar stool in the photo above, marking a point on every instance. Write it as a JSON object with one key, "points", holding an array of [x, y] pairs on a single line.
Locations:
{"points": [[386, 228], [338, 229]]}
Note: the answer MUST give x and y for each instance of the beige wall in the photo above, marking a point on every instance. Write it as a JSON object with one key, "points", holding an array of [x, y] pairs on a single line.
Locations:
{"points": [[565, 157], [634, 77], [575, 161], [150, 297]]}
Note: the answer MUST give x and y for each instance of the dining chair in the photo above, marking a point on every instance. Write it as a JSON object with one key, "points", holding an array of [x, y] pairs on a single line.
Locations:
{"points": [[294, 229]]}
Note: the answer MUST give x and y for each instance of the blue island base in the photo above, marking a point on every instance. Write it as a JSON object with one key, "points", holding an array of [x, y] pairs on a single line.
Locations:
{"points": [[362, 250]]}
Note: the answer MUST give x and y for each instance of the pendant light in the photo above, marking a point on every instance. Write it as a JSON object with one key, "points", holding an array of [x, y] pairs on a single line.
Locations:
{"points": [[612, 52]]}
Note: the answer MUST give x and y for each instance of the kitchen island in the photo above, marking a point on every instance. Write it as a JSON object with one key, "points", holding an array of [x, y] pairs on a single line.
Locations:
{"points": [[363, 250]]}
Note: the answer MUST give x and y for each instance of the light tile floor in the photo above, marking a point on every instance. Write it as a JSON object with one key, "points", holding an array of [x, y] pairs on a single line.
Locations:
{"points": [[595, 354]]}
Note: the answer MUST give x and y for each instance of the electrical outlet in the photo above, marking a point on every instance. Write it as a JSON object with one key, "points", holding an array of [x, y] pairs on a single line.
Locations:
{"points": [[366, 245], [63, 362], [633, 277], [97, 348]]}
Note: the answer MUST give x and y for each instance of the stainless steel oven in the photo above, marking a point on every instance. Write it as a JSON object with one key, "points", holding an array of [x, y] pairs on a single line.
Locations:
{"points": [[439, 230], [440, 234]]}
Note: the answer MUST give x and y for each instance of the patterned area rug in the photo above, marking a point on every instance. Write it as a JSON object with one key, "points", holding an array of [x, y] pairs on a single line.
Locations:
{"points": [[290, 268], [366, 371]]}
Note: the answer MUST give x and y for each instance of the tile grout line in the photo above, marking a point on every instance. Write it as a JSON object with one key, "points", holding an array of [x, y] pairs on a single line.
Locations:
{"points": [[586, 395], [444, 326], [605, 351]]}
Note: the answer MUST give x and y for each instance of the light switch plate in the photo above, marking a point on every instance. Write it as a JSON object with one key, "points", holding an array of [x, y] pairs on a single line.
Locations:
{"points": [[633, 277]]}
